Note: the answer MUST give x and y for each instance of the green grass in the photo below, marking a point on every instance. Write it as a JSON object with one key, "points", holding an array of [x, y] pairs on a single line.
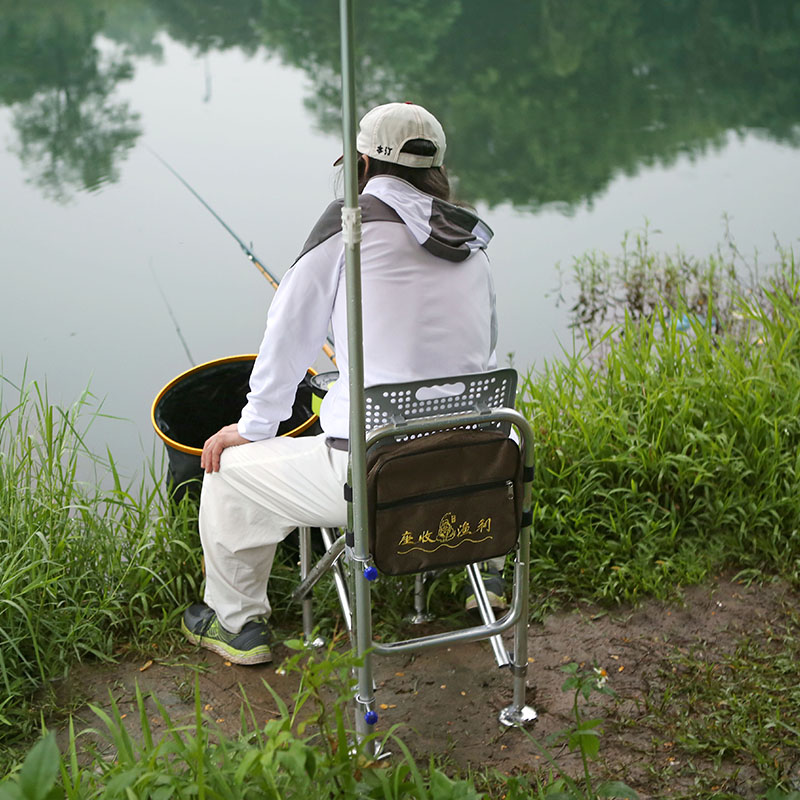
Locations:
{"points": [[82, 569], [678, 455]]}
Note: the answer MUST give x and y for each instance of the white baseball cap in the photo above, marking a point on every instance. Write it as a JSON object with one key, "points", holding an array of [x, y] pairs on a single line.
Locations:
{"points": [[385, 129]]}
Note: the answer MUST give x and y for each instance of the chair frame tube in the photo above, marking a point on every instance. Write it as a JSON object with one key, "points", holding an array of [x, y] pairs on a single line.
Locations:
{"points": [[517, 615]]}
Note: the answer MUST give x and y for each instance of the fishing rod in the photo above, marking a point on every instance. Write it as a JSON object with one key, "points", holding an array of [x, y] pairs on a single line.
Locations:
{"points": [[172, 316], [327, 348]]}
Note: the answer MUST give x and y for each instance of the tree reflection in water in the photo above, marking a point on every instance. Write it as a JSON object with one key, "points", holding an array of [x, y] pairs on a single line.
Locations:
{"points": [[549, 100], [72, 132], [546, 100]]}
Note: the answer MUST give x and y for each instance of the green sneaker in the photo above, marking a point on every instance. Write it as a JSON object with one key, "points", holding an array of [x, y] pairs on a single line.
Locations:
{"points": [[250, 646], [495, 590]]}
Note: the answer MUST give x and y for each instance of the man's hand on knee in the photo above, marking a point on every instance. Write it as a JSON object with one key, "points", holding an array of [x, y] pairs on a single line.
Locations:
{"points": [[214, 445]]}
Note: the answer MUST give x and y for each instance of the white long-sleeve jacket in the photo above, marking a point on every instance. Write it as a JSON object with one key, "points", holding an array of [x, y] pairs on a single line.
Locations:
{"points": [[427, 296]]}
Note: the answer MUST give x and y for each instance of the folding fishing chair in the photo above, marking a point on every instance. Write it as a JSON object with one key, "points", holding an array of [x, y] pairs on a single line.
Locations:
{"points": [[396, 414]]}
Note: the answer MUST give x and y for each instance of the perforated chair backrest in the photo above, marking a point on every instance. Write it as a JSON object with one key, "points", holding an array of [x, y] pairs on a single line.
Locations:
{"points": [[395, 403]]}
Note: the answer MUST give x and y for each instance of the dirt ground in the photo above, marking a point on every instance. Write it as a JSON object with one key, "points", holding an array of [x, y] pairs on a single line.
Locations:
{"points": [[447, 700]]}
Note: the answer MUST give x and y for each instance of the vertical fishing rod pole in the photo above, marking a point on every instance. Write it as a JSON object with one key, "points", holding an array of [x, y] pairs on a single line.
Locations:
{"points": [[366, 716], [273, 281]]}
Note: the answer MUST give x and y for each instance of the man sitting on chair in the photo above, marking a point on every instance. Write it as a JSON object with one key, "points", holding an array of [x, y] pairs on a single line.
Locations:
{"points": [[428, 311]]}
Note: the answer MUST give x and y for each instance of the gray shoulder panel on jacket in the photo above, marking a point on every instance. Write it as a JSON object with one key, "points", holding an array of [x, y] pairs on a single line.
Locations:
{"points": [[330, 223]]}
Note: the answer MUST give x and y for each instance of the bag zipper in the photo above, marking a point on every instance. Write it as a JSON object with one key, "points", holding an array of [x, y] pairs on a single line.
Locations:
{"points": [[422, 498]]}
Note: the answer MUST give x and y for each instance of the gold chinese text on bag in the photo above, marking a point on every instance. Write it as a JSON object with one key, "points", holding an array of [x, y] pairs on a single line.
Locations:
{"points": [[443, 500]]}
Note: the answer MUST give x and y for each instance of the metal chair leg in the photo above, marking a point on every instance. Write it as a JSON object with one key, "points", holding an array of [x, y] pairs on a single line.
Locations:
{"points": [[519, 713], [501, 655], [310, 575], [420, 614], [308, 611], [329, 537]]}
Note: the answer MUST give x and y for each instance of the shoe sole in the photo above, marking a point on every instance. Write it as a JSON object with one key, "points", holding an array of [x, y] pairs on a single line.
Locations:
{"points": [[258, 655], [497, 603]]}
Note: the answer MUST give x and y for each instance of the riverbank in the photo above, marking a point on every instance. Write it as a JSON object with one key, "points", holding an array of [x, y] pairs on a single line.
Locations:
{"points": [[700, 685], [668, 463]]}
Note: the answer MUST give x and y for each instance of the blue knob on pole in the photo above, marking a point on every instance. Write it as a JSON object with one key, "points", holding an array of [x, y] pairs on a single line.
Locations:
{"points": [[371, 573], [371, 717]]}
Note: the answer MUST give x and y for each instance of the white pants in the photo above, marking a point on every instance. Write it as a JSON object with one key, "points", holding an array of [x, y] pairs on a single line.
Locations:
{"points": [[263, 491]]}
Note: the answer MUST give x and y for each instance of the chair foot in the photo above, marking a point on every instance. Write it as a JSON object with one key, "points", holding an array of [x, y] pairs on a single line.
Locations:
{"points": [[373, 748], [518, 716], [420, 618], [316, 642]]}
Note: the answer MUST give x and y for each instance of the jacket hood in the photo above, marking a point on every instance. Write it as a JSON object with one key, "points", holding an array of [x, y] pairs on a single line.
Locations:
{"points": [[446, 230]]}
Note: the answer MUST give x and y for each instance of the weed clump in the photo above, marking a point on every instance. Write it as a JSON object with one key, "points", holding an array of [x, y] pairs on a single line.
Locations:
{"points": [[674, 454]]}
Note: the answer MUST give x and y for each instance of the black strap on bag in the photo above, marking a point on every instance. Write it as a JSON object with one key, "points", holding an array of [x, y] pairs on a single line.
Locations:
{"points": [[443, 500]]}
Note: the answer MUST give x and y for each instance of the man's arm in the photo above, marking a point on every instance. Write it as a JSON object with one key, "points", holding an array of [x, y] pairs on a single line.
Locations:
{"points": [[297, 325]]}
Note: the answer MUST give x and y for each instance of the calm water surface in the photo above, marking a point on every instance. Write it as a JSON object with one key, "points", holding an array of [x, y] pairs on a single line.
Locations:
{"points": [[568, 125]]}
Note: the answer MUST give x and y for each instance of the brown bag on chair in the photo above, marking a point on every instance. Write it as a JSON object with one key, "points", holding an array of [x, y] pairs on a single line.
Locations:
{"points": [[443, 500]]}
